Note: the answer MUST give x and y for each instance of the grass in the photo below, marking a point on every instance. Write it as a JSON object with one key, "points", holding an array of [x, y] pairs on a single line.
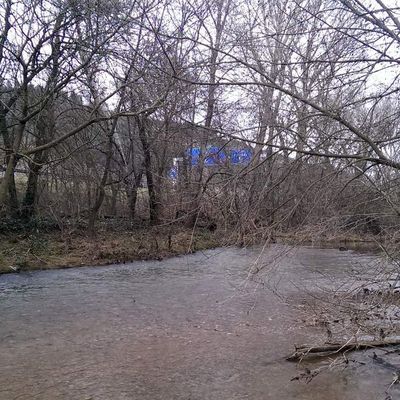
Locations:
{"points": [[55, 250]]}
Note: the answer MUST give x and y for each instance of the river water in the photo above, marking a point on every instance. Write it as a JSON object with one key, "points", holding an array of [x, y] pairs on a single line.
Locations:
{"points": [[192, 327]]}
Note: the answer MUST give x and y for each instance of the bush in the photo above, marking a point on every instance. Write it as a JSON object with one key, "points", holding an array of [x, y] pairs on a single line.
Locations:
{"points": [[18, 225]]}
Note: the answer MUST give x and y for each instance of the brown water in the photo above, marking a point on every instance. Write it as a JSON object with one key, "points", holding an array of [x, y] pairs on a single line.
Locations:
{"points": [[191, 327]]}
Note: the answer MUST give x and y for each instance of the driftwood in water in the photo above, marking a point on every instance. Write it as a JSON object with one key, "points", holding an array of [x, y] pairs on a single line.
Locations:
{"points": [[331, 349]]}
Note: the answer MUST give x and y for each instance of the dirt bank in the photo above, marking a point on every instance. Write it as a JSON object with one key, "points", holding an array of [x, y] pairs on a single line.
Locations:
{"points": [[52, 249], [31, 251]]}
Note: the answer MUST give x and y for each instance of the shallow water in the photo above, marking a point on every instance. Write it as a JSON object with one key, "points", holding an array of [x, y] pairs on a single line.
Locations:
{"points": [[191, 327]]}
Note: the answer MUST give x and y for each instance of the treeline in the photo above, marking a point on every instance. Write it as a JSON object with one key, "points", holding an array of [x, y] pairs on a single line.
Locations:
{"points": [[102, 104]]}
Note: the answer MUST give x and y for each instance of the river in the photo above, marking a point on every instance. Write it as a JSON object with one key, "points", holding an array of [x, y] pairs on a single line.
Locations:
{"points": [[188, 328]]}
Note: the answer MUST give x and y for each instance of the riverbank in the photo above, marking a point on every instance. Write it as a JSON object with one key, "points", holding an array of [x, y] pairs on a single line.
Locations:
{"points": [[53, 250], [22, 251]]}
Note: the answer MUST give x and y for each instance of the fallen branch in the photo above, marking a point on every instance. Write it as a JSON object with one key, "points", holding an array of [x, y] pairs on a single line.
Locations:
{"points": [[330, 349], [385, 364]]}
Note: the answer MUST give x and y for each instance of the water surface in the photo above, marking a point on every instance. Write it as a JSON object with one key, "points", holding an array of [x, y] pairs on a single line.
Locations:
{"points": [[192, 327]]}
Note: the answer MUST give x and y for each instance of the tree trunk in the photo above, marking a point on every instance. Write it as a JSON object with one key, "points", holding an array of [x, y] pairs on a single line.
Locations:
{"points": [[114, 198], [151, 187], [28, 209], [100, 191], [12, 190], [132, 193], [28, 205], [6, 185]]}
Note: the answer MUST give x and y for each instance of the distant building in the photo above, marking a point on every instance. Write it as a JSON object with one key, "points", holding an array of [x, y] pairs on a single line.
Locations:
{"points": [[215, 156]]}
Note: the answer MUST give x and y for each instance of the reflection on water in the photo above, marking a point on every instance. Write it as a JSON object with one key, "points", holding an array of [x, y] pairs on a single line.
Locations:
{"points": [[191, 327]]}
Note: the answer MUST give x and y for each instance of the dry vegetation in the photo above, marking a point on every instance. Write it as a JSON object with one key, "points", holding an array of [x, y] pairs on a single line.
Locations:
{"points": [[57, 250]]}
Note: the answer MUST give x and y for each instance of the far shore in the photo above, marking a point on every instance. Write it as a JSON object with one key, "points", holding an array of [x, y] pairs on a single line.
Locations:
{"points": [[56, 250]]}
